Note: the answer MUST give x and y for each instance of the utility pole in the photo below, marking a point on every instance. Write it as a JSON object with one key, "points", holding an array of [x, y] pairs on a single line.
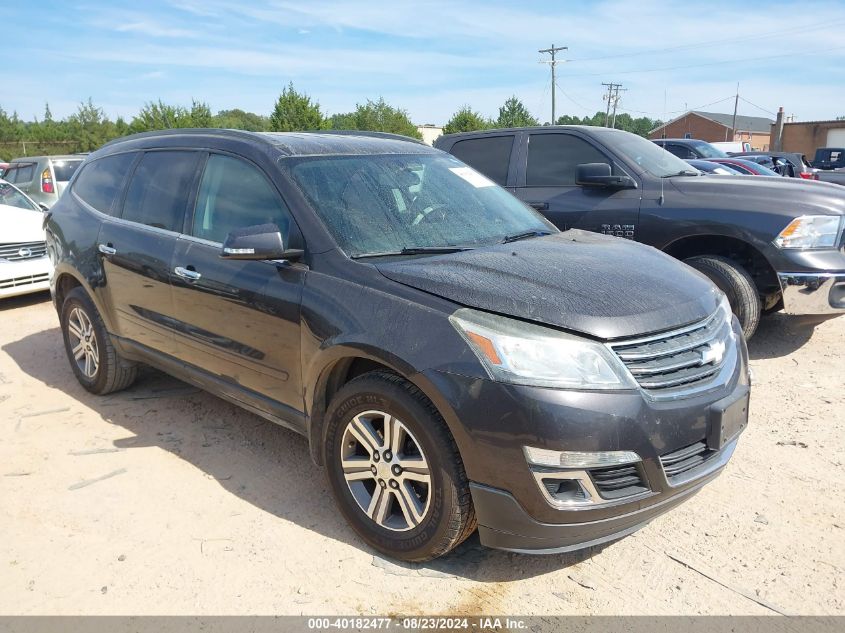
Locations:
{"points": [[554, 62], [736, 106], [615, 98], [608, 97], [612, 96]]}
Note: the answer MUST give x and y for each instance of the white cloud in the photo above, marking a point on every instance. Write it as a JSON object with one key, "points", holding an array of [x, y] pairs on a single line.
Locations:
{"points": [[147, 27]]}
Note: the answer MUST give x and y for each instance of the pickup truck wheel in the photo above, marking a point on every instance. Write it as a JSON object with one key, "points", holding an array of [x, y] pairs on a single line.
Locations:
{"points": [[736, 283], [394, 469], [94, 360]]}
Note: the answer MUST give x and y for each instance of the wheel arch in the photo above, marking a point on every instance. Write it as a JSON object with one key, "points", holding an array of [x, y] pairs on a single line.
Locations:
{"points": [[736, 248], [339, 365]]}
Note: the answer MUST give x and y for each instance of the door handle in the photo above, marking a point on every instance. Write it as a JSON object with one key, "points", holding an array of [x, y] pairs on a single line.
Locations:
{"points": [[540, 206], [106, 250], [185, 273]]}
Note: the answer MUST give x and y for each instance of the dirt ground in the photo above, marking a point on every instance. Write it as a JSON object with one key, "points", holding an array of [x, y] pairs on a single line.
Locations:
{"points": [[166, 500]]}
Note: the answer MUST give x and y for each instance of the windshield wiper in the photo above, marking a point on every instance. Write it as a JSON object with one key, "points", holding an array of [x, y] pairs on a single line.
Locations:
{"points": [[524, 236], [415, 250], [683, 172]]}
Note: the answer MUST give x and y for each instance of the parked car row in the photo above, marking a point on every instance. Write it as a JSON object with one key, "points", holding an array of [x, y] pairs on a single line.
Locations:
{"points": [[457, 359]]}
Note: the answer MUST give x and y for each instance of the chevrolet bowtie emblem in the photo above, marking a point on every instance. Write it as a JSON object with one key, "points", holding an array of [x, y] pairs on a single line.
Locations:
{"points": [[712, 353]]}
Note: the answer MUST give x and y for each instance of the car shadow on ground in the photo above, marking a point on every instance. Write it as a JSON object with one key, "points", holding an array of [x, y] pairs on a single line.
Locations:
{"points": [[24, 301], [258, 461], [780, 334]]}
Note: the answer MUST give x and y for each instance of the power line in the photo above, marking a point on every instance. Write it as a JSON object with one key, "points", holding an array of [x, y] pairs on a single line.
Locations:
{"points": [[758, 107], [744, 38], [583, 107], [803, 54], [553, 62]]}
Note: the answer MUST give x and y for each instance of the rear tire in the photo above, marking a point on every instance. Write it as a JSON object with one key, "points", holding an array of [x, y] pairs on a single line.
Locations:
{"points": [[737, 284], [408, 498], [95, 362]]}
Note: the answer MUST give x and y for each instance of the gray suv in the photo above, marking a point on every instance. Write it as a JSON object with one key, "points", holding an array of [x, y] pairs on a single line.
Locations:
{"points": [[43, 178]]}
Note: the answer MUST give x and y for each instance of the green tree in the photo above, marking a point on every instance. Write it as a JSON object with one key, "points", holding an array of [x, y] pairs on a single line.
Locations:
{"points": [[466, 120], [88, 127], [624, 121], [157, 115], [514, 114], [200, 114], [295, 112], [239, 120], [376, 116]]}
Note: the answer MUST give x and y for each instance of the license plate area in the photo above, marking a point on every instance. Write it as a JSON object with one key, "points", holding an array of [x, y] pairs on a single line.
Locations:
{"points": [[727, 420]]}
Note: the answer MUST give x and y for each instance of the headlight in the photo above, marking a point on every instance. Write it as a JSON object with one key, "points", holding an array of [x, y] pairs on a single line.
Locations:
{"points": [[525, 354], [810, 231]]}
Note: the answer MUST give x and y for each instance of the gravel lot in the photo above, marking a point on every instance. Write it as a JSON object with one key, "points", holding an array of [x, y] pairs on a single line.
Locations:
{"points": [[166, 500]]}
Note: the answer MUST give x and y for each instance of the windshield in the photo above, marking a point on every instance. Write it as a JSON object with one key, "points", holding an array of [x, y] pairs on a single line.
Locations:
{"points": [[14, 198], [649, 156], [708, 151], [387, 203]]}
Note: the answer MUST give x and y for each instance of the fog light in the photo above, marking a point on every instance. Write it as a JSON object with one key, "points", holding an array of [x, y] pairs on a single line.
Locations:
{"points": [[578, 459]]}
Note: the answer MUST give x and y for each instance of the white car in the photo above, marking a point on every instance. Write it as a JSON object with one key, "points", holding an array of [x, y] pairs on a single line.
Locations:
{"points": [[24, 265]]}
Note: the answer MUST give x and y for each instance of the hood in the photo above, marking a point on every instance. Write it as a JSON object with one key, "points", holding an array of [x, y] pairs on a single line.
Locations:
{"points": [[602, 286], [20, 225], [783, 196]]}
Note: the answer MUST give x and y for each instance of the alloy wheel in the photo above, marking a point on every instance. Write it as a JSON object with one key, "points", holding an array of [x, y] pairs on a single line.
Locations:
{"points": [[386, 470], [83, 342]]}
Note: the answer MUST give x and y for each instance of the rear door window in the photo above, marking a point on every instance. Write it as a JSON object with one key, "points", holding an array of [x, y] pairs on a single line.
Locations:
{"points": [[64, 169], [100, 181], [681, 151], [234, 194], [490, 155], [553, 159], [159, 190], [23, 172]]}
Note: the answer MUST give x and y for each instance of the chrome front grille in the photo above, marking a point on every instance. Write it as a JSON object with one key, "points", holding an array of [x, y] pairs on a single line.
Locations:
{"points": [[22, 250], [683, 360]]}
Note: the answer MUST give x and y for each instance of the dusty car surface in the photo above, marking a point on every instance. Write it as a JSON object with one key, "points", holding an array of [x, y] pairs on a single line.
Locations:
{"points": [[454, 360]]}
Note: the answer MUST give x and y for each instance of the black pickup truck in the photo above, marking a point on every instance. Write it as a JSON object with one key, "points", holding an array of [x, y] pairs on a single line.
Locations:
{"points": [[768, 243]]}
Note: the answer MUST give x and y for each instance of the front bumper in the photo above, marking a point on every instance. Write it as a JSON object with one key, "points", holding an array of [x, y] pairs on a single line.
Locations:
{"points": [[504, 524], [493, 421], [813, 293], [24, 276]]}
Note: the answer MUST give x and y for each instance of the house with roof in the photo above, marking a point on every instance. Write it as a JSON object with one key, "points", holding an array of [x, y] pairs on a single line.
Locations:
{"points": [[717, 127]]}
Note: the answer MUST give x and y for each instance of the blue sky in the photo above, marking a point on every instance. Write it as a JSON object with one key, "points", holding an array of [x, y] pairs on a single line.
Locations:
{"points": [[426, 57]]}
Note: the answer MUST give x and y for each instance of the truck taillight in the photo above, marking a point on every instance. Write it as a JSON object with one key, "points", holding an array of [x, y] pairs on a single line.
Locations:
{"points": [[807, 175], [47, 181]]}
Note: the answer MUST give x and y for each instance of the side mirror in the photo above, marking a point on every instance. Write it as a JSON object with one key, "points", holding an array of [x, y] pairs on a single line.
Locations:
{"points": [[263, 241], [599, 175]]}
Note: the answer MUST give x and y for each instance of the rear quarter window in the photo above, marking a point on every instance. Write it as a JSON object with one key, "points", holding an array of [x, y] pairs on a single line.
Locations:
{"points": [[490, 155], [100, 181], [21, 173]]}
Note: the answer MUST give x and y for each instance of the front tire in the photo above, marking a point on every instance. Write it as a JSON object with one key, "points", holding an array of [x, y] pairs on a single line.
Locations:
{"points": [[394, 469], [95, 362], [737, 284]]}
